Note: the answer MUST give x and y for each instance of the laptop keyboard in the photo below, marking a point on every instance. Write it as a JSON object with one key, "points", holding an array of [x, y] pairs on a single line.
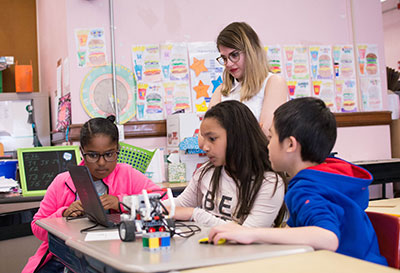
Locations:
{"points": [[114, 218]]}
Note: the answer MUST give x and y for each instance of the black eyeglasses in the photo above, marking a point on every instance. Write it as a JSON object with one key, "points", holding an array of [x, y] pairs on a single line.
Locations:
{"points": [[94, 157], [234, 57]]}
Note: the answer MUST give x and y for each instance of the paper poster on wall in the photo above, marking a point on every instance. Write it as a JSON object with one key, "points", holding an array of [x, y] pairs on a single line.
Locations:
{"points": [[174, 61], [368, 60], [343, 59], [150, 103], [97, 97], [346, 95], [205, 73], [146, 63], [296, 62], [176, 97], [299, 88], [91, 47], [274, 56], [175, 70], [325, 90], [371, 94], [321, 62]]}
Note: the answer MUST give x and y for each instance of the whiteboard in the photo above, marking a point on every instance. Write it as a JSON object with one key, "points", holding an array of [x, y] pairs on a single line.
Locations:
{"points": [[15, 131]]}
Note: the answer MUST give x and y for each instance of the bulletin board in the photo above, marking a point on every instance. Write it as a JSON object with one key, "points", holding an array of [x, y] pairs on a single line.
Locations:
{"points": [[38, 166]]}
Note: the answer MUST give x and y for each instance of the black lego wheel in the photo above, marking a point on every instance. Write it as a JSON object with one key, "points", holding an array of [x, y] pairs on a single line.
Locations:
{"points": [[127, 231]]}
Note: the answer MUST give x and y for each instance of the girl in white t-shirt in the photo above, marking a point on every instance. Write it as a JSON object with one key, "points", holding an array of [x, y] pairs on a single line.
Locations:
{"points": [[237, 183]]}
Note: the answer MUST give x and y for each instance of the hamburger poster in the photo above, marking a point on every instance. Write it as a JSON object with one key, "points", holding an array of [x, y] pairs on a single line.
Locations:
{"points": [[91, 47]]}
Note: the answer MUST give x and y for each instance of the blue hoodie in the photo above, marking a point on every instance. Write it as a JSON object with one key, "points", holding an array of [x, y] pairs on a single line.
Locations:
{"points": [[333, 196]]}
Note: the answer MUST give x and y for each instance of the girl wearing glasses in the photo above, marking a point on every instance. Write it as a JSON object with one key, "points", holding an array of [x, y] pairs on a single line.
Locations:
{"points": [[99, 147], [246, 77]]}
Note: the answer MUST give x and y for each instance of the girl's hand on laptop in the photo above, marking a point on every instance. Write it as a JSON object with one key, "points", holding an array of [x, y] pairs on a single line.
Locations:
{"points": [[74, 210], [109, 202]]}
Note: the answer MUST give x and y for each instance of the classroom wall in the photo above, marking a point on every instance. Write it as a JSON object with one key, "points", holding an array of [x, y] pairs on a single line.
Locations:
{"points": [[277, 22], [391, 30], [52, 45]]}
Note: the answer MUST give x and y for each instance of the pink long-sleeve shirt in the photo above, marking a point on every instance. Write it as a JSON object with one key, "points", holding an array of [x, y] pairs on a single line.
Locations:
{"points": [[124, 180]]}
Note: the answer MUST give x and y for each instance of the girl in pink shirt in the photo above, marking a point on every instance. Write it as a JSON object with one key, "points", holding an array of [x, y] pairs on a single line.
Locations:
{"points": [[99, 148]]}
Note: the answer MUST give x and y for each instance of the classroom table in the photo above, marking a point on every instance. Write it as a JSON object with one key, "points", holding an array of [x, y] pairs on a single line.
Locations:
{"points": [[388, 206], [66, 241], [310, 262], [383, 171]]}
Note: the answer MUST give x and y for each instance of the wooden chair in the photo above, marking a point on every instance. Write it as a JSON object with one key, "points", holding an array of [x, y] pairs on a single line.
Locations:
{"points": [[387, 229]]}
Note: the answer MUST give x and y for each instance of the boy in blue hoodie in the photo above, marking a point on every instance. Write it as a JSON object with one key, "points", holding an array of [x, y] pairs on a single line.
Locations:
{"points": [[326, 196]]}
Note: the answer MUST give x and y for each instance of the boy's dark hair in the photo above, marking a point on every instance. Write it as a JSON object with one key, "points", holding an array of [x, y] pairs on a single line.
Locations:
{"points": [[311, 123], [246, 154], [99, 126]]}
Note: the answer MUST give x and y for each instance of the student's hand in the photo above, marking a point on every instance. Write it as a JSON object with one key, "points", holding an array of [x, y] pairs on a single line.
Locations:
{"points": [[109, 202], [232, 232], [183, 213], [74, 210]]}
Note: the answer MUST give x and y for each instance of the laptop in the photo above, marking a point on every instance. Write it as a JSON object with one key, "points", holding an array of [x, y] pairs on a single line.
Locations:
{"points": [[91, 203]]}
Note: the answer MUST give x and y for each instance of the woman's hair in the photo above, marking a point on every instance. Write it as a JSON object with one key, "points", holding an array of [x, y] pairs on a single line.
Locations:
{"points": [[240, 36], [246, 154], [99, 126]]}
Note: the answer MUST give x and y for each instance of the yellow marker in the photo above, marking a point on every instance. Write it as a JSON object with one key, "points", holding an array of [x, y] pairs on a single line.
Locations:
{"points": [[205, 241]]}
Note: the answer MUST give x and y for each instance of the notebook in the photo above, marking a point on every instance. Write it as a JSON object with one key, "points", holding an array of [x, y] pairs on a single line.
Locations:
{"points": [[91, 203]]}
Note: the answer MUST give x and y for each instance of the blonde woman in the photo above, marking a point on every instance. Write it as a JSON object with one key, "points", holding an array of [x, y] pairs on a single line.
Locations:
{"points": [[246, 77]]}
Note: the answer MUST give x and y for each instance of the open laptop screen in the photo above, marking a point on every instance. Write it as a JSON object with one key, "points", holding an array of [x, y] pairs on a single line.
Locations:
{"points": [[91, 203]]}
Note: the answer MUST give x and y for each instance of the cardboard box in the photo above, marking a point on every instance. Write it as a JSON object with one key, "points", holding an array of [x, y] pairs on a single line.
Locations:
{"points": [[180, 126], [395, 138]]}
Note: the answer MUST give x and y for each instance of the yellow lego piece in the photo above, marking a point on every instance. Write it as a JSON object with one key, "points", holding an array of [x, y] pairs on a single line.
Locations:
{"points": [[154, 242]]}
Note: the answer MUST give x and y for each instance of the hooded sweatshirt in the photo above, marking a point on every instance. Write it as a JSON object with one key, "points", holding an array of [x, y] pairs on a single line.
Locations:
{"points": [[334, 195]]}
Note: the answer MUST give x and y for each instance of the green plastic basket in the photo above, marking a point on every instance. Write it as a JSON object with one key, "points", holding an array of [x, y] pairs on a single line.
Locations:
{"points": [[138, 158]]}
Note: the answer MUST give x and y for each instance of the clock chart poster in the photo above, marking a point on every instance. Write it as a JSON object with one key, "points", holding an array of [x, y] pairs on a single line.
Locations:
{"points": [[97, 96], [205, 73]]}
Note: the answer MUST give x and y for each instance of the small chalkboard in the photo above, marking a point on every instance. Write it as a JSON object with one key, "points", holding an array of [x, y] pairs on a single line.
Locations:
{"points": [[40, 165]]}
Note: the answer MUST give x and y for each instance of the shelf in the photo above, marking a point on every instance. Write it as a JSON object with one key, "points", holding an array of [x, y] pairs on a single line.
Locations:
{"points": [[141, 129]]}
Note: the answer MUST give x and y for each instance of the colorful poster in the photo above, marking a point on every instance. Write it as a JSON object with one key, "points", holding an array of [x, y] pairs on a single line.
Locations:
{"points": [[91, 47], [325, 90], [274, 56], [343, 61], [150, 102], [174, 61], [346, 95], [299, 88], [371, 94], [146, 63], [205, 73], [368, 60], [296, 62], [176, 97], [175, 71], [321, 62]]}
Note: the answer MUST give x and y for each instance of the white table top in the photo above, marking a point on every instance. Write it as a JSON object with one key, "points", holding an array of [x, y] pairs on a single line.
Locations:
{"points": [[183, 254], [310, 262], [388, 206]]}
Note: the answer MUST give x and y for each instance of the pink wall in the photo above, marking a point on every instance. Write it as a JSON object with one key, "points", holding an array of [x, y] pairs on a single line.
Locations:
{"points": [[277, 22], [52, 44], [391, 30]]}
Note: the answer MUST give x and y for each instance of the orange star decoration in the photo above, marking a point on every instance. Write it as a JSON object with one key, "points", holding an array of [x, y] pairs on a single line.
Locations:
{"points": [[198, 66], [202, 107], [201, 90]]}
